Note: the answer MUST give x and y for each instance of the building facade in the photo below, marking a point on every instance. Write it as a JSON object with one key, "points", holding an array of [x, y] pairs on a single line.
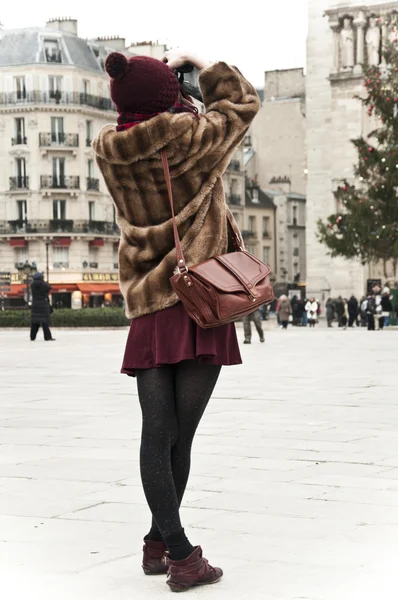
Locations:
{"points": [[278, 132], [340, 40], [55, 210], [275, 155]]}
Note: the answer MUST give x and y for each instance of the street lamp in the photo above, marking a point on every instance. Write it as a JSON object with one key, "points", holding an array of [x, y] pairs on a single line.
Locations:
{"points": [[48, 244]]}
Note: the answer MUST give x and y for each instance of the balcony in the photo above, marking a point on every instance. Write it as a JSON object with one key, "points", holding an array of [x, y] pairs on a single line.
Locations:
{"points": [[66, 140], [19, 140], [58, 226], [89, 142], [56, 97], [266, 234], [248, 235], [234, 165], [59, 183], [234, 199], [21, 182], [92, 184]]}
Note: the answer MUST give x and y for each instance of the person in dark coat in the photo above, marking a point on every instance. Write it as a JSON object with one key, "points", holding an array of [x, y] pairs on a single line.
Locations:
{"points": [[353, 310], [41, 309], [340, 309], [330, 312]]}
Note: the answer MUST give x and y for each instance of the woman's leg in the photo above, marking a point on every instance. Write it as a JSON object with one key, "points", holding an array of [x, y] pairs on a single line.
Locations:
{"points": [[194, 385], [156, 390]]}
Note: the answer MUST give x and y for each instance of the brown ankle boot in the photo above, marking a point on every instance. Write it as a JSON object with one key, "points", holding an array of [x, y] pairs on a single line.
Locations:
{"points": [[192, 571], [155, 561]]}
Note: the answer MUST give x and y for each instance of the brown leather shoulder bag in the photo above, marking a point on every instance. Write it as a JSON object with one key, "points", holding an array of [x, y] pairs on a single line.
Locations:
{"points": [[221, 289]]}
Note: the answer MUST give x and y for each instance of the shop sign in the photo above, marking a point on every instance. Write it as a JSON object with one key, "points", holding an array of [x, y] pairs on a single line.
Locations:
{"points": [[101, 277]]}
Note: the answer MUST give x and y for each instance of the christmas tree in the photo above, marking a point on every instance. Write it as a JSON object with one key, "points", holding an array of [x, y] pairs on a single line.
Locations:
{"points": [[365, 225]]}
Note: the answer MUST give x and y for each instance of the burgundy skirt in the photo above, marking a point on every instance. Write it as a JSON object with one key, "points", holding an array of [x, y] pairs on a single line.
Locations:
{"points": [[170, 336]]}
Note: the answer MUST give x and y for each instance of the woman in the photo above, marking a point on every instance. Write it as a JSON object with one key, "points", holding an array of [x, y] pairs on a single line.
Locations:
{"points": [[176, 363], [284, 310], [387, 308], [41, 308], [312, 311], [330, 310]]}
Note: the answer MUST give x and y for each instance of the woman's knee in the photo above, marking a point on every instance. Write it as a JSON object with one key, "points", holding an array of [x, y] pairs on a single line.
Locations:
{"points": [[162, 432]]}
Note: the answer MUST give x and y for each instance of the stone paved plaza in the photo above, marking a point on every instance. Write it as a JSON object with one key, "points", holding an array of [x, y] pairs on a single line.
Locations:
{"points": [[294, 486]]}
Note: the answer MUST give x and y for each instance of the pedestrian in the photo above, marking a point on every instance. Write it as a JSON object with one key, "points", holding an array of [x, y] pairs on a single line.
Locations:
{"points": [[353, 309], [285, 311], [305, 314], [41, 308], [247, 328], [177, 363], [387, 308], [330, 310], [312, 312], [371, 311], [363, 312], [340, 309]]}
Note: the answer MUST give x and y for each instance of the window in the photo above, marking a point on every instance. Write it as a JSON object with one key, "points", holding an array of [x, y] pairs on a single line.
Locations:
{"points": [[234, 186], [89, 133], [20, 130], [57, 130], [295, 269], [294, 215], [21, 255], [91, 211], [19, 85], [93, 257], [20, 171], [86, 87], [20, 167], [52, 51], [251, 250], [59, 172], [115, 257], [90, 168], [22, 210], [266, 221], [60, 257], [114, 214], [296, 252], [59, 210], [255, 195], [55, 87], [266, 255], [252, 224]]}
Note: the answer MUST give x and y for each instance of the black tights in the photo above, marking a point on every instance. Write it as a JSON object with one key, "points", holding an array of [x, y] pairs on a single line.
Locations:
{"points": [[173, 399]]}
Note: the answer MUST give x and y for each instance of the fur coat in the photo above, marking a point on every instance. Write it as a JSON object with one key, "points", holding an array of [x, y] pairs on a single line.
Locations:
{"points": [[199, 149]]}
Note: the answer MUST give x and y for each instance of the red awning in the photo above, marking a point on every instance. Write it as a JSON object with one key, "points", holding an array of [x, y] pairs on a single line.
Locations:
{"points": [[63, 241], [97, 243], [64, 287], [18, 243], [17, 289], [99, 288]]}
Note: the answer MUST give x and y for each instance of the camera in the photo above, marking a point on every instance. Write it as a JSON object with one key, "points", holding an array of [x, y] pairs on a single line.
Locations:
{"points": [[188, 83]]}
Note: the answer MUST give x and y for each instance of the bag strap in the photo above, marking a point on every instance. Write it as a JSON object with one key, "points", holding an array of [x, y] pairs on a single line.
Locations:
{"points": [[180, 255]]}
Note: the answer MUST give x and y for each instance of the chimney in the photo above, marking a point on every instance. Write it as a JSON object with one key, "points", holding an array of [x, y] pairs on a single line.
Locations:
{"points": [[65, 24], [111, 41]]}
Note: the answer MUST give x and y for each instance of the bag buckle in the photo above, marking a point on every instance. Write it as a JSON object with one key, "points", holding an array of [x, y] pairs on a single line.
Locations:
{"points": [[181, 268]]}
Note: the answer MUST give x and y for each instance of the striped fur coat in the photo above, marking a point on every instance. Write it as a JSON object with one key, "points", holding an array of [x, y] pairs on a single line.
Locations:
{"points": [[199, 150]]}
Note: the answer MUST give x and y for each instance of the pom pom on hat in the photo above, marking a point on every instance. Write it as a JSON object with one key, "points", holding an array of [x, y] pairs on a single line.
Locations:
{"points": [[116, 65]]}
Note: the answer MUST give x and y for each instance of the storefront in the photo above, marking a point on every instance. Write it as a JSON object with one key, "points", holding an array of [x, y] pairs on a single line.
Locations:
{"points": [[96, 291]]}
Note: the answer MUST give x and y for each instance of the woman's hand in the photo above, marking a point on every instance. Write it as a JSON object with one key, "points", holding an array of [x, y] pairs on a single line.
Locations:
{"points": [[177, 58]]}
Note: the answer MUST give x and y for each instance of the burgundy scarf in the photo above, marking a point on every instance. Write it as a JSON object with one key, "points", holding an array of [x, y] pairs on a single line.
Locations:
{"points": [[183, 104]]}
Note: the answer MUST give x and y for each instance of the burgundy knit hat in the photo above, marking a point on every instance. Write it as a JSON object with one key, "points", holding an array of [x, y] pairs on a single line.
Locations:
{"points": [[141, 84]]}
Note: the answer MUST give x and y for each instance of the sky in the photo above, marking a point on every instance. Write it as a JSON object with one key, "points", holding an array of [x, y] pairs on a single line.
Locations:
{"points": [[256, 36]]}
